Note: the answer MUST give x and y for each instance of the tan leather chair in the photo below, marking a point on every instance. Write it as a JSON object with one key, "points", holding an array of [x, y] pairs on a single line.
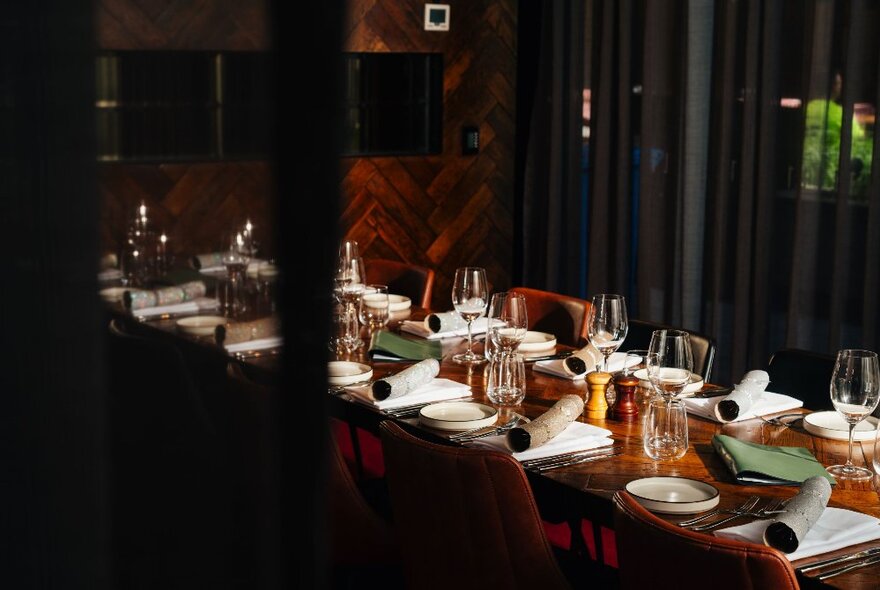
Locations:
{"points": [[402, 278], [653, 553], [465, 518], [561, 315]]}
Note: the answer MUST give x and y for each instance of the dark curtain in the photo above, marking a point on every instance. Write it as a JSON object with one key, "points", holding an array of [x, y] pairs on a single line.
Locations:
{"points": [[731, 184]]}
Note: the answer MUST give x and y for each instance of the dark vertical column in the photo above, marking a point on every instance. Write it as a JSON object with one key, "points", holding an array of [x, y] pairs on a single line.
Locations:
{"points": [[52, 503]]}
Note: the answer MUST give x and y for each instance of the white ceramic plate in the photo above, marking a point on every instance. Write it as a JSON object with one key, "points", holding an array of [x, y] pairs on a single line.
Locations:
{"points": [[832, 425], [200, 325], [112, 294], [398, 302], [347, 372], [457, 415], [691, 388], [537, 341], [674, 495]]}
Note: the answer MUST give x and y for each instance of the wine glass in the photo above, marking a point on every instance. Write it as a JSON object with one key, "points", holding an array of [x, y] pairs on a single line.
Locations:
{"points": [[351, 276], [669, 368], [508, 321], [470, 294], [607, 324], [235, 259], [855, 391]]}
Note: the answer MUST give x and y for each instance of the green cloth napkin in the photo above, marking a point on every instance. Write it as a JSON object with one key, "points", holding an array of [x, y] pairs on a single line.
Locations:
{"points": [[389, 346], [755, 463]]}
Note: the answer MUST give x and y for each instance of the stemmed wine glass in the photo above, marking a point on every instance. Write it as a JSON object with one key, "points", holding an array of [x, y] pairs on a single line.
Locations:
{"points": [[508, 321], [669, 362], [855, 391], [607, 324], [235, 259], [470, 294]]}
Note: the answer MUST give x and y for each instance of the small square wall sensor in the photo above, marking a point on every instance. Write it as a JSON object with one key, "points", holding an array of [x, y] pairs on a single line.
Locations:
{"points": [[436, 17]]}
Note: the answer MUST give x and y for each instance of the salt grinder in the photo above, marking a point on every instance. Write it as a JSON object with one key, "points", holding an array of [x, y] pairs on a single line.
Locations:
{"points": [[597, 405], [625, 407]]}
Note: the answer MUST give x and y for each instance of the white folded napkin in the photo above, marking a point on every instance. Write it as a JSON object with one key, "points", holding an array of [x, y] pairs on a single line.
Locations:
{"points": [[577, 436], [256, 344], [192, 306], [770, 403], [836, 528], [436, 391], [478, 326], [555, 367]]}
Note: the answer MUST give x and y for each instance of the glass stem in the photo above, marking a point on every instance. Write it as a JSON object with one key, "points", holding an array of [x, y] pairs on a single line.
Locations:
{"points": [[470, 340], [852, 427]]}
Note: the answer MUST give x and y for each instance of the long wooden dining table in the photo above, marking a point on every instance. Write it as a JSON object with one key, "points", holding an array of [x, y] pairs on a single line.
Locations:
{"points": [[586, 490]]}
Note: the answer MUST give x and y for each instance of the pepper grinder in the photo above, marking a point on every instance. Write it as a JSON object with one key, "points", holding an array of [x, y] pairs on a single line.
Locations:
{"points": [[625, 407], [597, 405]]}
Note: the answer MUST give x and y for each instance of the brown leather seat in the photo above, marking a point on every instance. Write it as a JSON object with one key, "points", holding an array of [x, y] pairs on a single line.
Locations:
{"points": [[561, 315], [653, 553], [402, 278], [638, 337], [465, 518]]}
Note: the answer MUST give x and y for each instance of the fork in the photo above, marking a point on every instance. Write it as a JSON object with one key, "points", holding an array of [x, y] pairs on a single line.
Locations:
{"points": [[747, 505], [472, 433], [777, 420], [772, 507]]}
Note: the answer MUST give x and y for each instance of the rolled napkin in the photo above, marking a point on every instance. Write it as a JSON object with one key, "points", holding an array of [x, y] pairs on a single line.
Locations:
{"points": [[582, 361], [437, 390], [244, 331], [448, 321], [764, 464], [547, 425], [187, 307], [743, 397], [769, 403], [801, 513], [406, 380], [556, 368], [258, 344], [577, 436], [478, 326], [206, 261], [136, 299], [836, 529]]}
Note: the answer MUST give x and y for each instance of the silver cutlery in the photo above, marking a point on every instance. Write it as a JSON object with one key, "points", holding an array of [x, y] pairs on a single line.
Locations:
{"points": [[778, 420], [841, 559], [850, 567], [575, 461], [334, 389], [569, 455], [252, 354], [549, 357], [750, 503], [773, 507], [484, 431]]}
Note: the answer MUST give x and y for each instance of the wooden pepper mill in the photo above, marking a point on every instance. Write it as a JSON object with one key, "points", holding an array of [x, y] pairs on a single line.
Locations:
{"points": [[597, 405], [625, 407]]}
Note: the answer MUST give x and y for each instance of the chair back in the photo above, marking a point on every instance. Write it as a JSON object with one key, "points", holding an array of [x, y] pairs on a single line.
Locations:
{"points": [[402, 278], [465, 518], [561, 315], [802, 374], [653, 553], [702, 346]]}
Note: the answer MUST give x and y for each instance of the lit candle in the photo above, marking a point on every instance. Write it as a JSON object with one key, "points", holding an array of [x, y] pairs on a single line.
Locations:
{"points": [[142, 210]]}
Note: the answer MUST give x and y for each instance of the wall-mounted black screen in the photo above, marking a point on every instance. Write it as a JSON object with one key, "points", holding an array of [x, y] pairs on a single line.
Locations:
{"points": [[393, 104]]}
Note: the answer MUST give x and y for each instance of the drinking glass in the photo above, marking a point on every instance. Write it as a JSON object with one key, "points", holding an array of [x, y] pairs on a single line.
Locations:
{"points": [[665, 432], [607, 325], [855, 391], [636, 364], [351, 276], [669, 368], [506, 385], [235, 259], [374, 307], [470, 294], [508, 321]]}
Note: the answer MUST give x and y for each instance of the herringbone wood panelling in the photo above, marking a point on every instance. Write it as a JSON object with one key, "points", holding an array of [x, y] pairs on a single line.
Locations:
{"points": [[194, 204], [231, 25], [447, 210]]}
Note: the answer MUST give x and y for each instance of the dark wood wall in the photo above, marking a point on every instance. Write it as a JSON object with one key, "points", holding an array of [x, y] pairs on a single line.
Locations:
{"points": [[447, 210], [194, 203]]}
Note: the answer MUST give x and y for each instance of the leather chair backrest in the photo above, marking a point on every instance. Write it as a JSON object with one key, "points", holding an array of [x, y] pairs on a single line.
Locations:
{"points": [[702, 346], [561, 315], [653, 553], [802, 374], [465, 518], [402, 278]]}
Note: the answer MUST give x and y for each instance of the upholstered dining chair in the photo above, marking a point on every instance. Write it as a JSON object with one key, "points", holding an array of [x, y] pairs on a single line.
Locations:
{"points": [[465, 518], [802, 374], [653, 553], [702, 346], [402, 278], [561, 315]]}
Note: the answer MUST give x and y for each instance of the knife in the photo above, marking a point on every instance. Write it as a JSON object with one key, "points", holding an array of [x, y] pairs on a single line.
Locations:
{"points": [[713, 392], [549, 357], [569, 462], [850, 567], [841, 559]]}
